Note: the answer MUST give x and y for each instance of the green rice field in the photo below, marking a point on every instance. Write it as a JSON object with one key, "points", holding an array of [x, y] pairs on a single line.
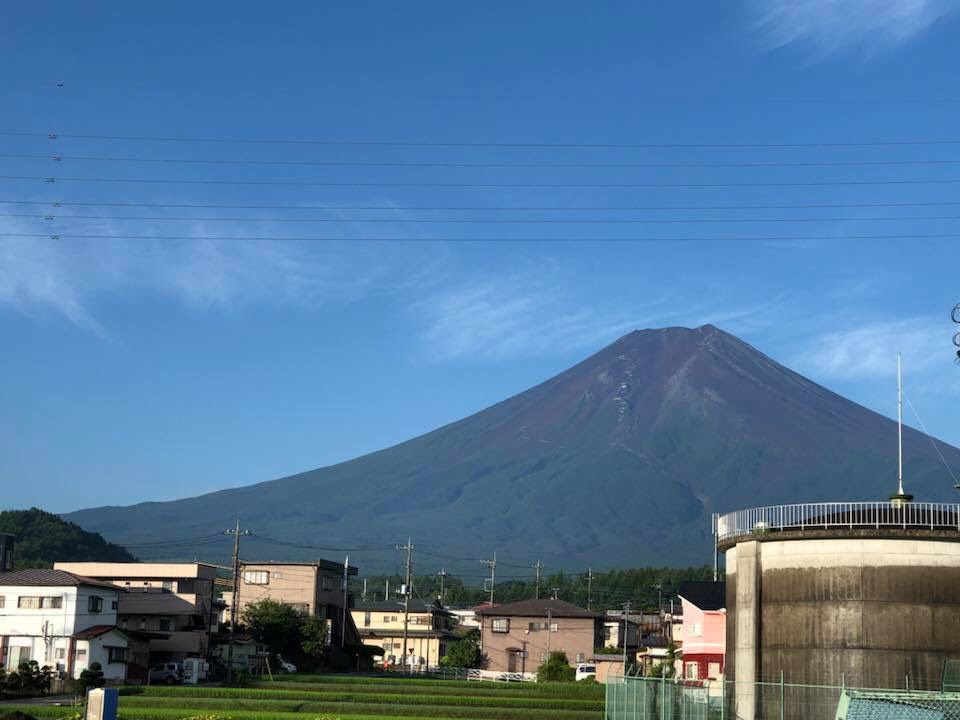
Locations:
{"points": [[338, 697]]}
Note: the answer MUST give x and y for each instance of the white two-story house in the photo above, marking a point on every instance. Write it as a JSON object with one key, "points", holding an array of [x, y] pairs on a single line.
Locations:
{"points": [[62, 620]]}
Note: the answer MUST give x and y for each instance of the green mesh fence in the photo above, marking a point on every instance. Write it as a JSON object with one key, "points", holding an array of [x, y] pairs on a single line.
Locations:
{"points": [[879, 705], [639, 698]]}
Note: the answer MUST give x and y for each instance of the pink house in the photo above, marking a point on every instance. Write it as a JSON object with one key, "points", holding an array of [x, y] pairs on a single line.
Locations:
{"points": [[704, 629]]}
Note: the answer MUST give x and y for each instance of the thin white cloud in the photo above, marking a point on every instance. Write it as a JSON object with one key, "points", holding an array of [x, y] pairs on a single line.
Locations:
{"points": [[833, 25], [869, 351]]}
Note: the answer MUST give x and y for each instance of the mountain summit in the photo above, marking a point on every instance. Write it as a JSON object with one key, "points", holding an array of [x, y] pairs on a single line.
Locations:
{"points": [[618, 461]]}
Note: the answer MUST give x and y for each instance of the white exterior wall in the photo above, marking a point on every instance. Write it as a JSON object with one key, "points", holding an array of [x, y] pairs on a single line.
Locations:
{"points": [[42, 633]]}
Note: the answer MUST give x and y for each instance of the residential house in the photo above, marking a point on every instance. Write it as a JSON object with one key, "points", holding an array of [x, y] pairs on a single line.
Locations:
{"points": [[61, 620], [173, 605], [613, 629], [429, 631], [314, 589], [704, 629], [466, 617], [519, 636]]}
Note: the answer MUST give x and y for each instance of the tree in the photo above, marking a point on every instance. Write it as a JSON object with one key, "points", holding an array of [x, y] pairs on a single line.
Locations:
{"points": [[667, 667], [90, 678], [275, 625], [464, 653], [556, 669], [313, 636]]}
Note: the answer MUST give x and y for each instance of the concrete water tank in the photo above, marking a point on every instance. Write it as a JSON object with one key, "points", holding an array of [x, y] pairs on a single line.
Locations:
{"points": [[862, 594]]}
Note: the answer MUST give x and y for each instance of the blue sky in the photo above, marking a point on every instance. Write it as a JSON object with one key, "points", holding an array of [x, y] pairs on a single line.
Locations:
{"points": [[136, 367]]}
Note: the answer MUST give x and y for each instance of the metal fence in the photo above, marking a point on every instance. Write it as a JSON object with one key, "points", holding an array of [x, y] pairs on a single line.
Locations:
{"points": [[804, 516], [640, 698], [878, 705]]}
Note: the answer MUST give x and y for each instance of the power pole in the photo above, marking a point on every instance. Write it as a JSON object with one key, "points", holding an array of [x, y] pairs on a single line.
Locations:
{"points": [[364, 593], [556, 593], [626, 611], [235, 604], [408, 568], [493, 575], [343, 623], [538, 566], [659, 588], [549, 628], [443, 576], [589, 588]]}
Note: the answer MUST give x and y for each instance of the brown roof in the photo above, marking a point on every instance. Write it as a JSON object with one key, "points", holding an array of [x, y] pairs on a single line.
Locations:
{"points": [[538, 608], [45, 576], [96, 631]]}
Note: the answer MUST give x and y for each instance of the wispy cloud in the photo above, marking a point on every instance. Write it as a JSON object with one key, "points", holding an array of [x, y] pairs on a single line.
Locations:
{"points": [[833, 25], [67, 277], [536, 312], [868, 351]]}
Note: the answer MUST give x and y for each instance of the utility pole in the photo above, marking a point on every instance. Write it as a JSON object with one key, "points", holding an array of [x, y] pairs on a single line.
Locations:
{"points": [[493, 575], [235, 604], [659, 588], [556, 593], [408, 568], [443, 576], [549, 628], [538, 566], [589, 588], [343, 622], [626, 612], [364, 593]]}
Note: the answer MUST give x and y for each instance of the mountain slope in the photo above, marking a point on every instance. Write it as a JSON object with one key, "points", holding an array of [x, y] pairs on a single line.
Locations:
{"points": [[618, 461], [43, 538]]}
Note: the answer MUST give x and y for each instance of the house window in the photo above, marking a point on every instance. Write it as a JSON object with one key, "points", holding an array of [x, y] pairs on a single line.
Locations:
{"points": [[116, 655], [533, 627], [500, 625], [713, 671], [33, 602], [256, 577], [165, 624], [366, 618], [123, 623], [581, 657], [276, 575], [690, 670], [3, 601], [543, 657], [301, 608], [113, 605], [607, 633], [61, 654], [389, 618], [95, 604], [80, 653], [167, 585], [554, 627], [143, 623], [696, 630], [326, 582]]}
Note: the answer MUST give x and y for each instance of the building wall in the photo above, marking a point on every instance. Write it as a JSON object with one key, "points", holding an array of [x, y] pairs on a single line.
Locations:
{"points": [[296, 585], [574, 636], [704, 632], [865, 611], [98, 650]]}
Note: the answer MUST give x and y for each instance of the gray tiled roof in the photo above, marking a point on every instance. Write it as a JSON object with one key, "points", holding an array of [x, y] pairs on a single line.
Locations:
{"points": [[538, 608], [48, 577]]}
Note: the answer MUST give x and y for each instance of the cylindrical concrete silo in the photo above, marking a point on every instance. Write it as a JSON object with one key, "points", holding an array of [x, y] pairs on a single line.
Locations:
{"points": [[866, 594]]}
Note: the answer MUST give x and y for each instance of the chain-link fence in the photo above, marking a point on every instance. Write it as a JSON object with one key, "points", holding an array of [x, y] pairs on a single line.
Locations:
{"points": [[640, 698], [880, 705]]}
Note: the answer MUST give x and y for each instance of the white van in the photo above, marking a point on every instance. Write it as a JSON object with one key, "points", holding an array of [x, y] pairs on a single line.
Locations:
{"points": [[585, 670]]}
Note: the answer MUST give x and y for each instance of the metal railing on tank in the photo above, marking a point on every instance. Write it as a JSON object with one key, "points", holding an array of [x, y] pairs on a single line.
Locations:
{"points": [[837, 515]]}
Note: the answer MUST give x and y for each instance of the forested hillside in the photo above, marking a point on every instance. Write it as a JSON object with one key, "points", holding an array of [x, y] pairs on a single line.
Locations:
{"points": [[44, 538]]}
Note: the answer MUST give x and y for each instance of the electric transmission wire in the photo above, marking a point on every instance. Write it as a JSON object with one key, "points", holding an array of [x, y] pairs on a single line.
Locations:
{"points": [[475, 144], [53, 179], [452, 164], [956, 483]]}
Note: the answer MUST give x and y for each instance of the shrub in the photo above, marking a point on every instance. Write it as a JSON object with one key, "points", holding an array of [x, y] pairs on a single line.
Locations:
{"points": [[90, 678], [556, 669]]}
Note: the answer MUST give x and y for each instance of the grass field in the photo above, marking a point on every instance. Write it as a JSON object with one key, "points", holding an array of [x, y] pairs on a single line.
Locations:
{"points": [[334, 697]]}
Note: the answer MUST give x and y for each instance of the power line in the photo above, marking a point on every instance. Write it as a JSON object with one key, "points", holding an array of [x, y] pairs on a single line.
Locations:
{"points": [[507, 186], [409, 143], [450, 164], [501, 208], [483, 221], [718, 239]]}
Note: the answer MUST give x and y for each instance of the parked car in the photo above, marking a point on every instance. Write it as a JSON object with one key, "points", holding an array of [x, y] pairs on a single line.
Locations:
{"points": [[585, 670], [170, 673], [287, 667]]}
